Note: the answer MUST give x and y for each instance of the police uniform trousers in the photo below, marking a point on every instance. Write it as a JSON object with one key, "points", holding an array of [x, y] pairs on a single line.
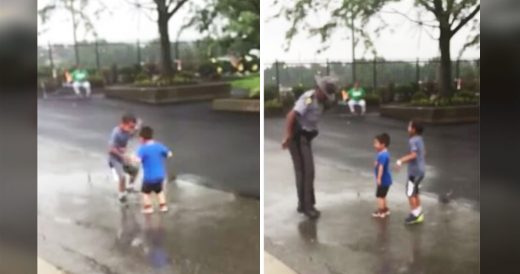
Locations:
{"points": [[301, 154]]}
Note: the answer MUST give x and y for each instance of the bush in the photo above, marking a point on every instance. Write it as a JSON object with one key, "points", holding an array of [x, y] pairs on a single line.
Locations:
{"points": [[404, 93], [141, 77], [419, 96], [255, 93], [270, 93], [372, 99], [96, 80], [298, 90], [272, 104], [208, 70]]}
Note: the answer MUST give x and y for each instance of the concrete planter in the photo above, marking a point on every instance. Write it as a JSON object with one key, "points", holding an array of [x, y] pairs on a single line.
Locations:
{"points": [[170, 94], [238, 105], [432, 115]]}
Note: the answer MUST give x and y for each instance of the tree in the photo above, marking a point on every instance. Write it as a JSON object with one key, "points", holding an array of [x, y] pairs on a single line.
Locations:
{"points": [[78, 15], [165, 10], [233, 24], [450, 17]]}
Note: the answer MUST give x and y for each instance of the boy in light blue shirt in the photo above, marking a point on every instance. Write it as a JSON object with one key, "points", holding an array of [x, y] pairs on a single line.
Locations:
{"points": [[416, 171]]}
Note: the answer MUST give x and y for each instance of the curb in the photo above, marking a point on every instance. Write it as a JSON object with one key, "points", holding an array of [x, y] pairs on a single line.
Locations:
{"points": [[46, 268], [240, 105], [274, 266]]}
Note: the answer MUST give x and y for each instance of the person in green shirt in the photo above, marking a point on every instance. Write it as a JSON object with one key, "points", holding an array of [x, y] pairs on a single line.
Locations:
{"points": [[356, 96], [80, 80]]}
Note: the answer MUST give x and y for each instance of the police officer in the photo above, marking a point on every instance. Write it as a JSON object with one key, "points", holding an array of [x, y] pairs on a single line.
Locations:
{"points": [[301, 127]]}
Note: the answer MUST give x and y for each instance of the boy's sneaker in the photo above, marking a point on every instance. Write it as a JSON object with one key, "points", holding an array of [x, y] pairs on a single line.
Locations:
{"points": [[387, 211], [147, 209], [412, 219], [163, 208], [122, 198], [130, 188], [378, 214]]}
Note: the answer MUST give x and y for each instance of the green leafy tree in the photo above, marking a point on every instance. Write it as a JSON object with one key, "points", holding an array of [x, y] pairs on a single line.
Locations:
{"points": [[78, 16], [234, 24], [450, 17], [163, 10]]}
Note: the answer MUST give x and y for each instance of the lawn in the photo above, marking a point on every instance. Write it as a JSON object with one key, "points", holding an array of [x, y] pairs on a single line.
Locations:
{"points": [[251, 83]]}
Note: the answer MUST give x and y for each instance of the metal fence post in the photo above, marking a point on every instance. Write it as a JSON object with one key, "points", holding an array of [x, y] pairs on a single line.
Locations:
{"points": [[417, 71], [457, 69], [97, 55], [328, 67], [51, 60], [374, 74], [138, 52], [277, 70]]}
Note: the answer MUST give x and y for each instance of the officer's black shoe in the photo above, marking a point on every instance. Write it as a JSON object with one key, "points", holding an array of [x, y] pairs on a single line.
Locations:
{"points": [[299, 209], [312, 213]]}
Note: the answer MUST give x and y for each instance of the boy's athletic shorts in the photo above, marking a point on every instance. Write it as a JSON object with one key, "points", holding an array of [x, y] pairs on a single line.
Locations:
{"points": [[413, 185], [381, 191], [152, 186], [119, 169]]}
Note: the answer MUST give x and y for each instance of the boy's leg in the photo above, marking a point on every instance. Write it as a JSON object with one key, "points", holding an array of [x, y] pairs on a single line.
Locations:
{"points": [[147, 200], [119, 176], [163, 206]]}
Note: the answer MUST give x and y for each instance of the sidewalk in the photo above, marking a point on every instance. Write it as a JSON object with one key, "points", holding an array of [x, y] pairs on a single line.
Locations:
{"points": [[346, 239], [46, 268]]}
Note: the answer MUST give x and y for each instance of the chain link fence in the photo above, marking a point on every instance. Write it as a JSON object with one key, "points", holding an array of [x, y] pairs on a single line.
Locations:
{"points": [[371, 74], [98, 55]]}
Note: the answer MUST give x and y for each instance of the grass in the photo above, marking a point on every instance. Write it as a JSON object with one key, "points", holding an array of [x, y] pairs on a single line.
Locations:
{"points": [[247, 83], [251, 83]]}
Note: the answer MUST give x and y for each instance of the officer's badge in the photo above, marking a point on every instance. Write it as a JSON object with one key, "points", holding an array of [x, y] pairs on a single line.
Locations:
{"points": [[308, 100]]}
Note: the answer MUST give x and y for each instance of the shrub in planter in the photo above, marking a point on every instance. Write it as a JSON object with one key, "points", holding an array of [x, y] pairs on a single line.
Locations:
{"points": [[141, 77], [298, 90], [96, 80], [403, 93], [372, 99], [273, 104], [419, 96], [270, 93], [128, 74], [208, 70], [255, 93]]}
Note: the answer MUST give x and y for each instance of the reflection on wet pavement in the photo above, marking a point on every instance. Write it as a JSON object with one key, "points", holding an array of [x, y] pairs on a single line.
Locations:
{"points": [[83, 229], [347, 239]]}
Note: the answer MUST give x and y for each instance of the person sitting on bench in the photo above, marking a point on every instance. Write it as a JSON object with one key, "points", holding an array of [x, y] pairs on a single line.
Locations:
{"points": [[80, 80], [356, 97]]}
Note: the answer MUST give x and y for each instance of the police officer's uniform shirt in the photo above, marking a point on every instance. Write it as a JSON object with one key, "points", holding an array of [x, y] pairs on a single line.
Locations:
{"points": [[309, 110]]}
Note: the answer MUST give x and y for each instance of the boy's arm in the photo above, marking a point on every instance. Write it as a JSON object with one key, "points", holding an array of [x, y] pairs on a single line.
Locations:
{"points": [[379, 173], [407, 158]]}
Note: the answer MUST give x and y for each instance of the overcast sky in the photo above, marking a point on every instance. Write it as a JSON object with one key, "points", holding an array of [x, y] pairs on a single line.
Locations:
{"points": [[400, 41], [121, 22]]}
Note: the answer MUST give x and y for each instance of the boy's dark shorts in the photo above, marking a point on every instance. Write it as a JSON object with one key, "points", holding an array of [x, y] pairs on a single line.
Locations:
{"points": [[413, 185], [381, 191], [152, 186]]}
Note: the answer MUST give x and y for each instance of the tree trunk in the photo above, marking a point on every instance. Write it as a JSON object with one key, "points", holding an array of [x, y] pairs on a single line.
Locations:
{"points": [[445, 84], [166, 56]]}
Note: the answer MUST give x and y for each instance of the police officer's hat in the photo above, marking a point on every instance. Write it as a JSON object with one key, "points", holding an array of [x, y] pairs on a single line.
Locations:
{"points": [[328, 84]]}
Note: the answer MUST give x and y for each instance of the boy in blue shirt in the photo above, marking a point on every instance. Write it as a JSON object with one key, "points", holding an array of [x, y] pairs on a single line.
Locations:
{"points": [[382, 173], [152, 154]]}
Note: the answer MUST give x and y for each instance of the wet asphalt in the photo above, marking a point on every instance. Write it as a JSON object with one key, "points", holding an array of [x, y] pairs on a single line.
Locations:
{"points": [[346, 239], [213, 222]]}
